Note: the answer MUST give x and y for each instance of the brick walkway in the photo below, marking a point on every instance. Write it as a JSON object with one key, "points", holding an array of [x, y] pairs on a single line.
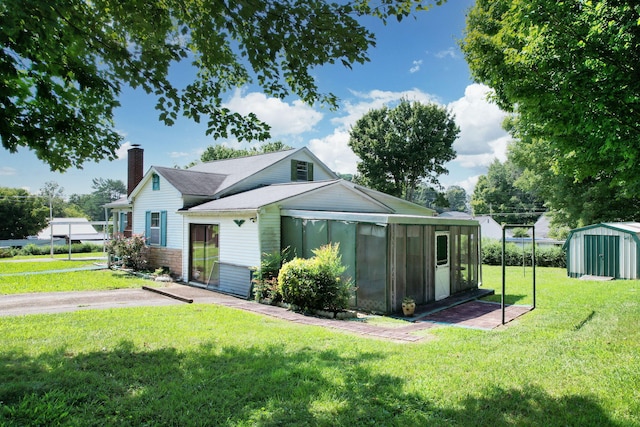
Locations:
{"points": [[473, 314]]}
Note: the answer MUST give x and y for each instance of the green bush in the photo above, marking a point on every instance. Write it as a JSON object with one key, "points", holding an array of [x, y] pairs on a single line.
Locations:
{"points": [[6, 253], [76, 248], [545, 257], [131, 252], [316, 283], [265, 278]]}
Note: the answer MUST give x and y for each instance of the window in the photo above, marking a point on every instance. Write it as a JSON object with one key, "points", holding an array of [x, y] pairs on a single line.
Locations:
{"points": [[156, 228], [155, 182], [442, 249], [301, 171], [123, 222]]}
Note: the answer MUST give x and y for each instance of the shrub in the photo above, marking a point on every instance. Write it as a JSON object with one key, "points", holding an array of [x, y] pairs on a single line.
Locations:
{"points": [[130, 251], [316, 283], [265, 278], [6, 253], [59, 249], [545, 256]]}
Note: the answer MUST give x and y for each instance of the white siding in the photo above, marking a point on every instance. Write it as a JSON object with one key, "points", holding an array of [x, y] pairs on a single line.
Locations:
{"points": [[628, 251], [281, 173], [167, 198], [335, 198]]}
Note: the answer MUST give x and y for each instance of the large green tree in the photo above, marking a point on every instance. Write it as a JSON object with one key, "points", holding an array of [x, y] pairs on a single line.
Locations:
{"points": [[572, 203], [63, 63], [104, 191], [21, 214], [401, 147], [221, 152], [569, 69], [497, 194]]}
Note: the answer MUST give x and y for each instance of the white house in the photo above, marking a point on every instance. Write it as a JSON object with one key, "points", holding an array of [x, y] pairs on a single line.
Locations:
{"points": [[210, 224]]}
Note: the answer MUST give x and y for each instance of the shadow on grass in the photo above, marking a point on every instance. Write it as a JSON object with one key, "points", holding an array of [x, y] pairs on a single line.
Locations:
{"points": [[249, 386], [508, 299]]}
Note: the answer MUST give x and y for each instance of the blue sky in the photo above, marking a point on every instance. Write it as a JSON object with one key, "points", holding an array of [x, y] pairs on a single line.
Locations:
{"points": [[418, 59]]}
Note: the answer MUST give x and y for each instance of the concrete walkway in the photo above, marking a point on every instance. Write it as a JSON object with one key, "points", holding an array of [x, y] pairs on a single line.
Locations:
{"points": [[58, 302]]}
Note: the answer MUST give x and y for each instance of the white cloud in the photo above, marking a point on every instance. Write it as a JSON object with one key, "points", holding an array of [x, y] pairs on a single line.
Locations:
{"points": [[284, 118], [482, 138], [450, 52], [7, 171], [416, 66], [122, 151], [179, 154], [335, 152]]}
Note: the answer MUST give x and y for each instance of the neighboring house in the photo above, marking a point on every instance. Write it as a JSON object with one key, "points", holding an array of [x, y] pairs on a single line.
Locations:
{"points": [[607, 249], [76, 230], [489, 228], [212, 223]]}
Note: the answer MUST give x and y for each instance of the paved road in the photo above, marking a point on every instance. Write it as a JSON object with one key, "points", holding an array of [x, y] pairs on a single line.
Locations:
{"points": [[59, 302]]}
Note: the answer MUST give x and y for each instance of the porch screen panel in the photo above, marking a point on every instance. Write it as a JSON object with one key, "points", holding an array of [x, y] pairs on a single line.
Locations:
{"points": [[316, 234], [344, 233], [371, 267], [400, 264], [415, 263], [291, 229], [465, 263]]}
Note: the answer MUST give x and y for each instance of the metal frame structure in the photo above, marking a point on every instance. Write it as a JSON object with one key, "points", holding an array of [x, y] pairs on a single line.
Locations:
{"points": [[533, 262]]}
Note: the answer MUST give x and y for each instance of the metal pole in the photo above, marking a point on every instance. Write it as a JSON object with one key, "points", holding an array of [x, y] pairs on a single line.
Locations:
{"points": [[51, 224], [533, 263], [503, 273], [69, 241]]}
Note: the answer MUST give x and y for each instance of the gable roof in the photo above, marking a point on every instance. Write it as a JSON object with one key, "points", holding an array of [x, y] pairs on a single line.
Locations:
{"points": [[263, 196], [192, 183]]}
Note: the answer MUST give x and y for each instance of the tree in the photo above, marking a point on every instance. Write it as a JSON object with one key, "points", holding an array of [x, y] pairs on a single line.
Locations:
{"points": [[104, 191], [221, 152], [400, 147], [457, 198], [63, 64], [568, 69], [21, 214], [52, 193], [571, 203], [496, 193]]}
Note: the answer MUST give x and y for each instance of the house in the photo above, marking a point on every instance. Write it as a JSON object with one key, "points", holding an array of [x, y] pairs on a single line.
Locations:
{"points": [[76, 230], [212, 223], [606, 249]]}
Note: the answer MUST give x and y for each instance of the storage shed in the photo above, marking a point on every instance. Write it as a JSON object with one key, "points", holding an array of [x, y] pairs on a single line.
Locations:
{"points": [[606, 249]]}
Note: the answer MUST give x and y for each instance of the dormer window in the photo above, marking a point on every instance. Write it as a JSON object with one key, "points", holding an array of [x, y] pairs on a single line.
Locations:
{"points": [[155, 182], [301, 170]]}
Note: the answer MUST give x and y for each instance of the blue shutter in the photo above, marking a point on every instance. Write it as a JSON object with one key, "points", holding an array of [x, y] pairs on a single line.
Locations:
{"points": [[147, 226], [163, 228], [122, 220]]}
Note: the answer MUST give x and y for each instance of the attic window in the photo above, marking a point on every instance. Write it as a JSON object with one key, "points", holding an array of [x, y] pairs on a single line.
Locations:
{"points": [[301, 170], [155, 182]]}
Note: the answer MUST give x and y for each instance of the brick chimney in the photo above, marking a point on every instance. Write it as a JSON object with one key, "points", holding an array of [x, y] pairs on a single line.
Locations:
{"points": [[135, 171]]}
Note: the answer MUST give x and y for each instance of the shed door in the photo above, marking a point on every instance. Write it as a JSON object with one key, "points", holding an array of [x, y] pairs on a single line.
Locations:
{"points": [[443, 266], [602, 255]]}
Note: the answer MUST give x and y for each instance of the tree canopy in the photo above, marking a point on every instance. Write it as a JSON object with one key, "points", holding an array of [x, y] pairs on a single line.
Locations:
{"points": [[498, 194], [220, 152], [21, 214], [63, 63], [402, 146], [569, 69]]}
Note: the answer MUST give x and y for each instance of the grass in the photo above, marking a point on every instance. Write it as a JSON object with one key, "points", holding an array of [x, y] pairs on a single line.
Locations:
{"points": [[7, 267], [73, 281], [574, 361], [74, 256]]}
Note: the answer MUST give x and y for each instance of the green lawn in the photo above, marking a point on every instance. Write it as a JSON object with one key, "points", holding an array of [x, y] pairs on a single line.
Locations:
{"points": [[9, 267], [574, 361], [72, 281]]}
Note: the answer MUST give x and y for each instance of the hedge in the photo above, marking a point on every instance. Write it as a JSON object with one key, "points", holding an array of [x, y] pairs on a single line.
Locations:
{"points": [[553, 256]]}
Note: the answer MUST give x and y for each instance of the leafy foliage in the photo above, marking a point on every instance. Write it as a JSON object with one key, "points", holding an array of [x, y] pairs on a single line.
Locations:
{"points": [[400, 147], [221, 152], [316, 283], [131, 252], [569, 71], [553, 256], [265, 278], [63, 64], [21, 213], [497, 192]]}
